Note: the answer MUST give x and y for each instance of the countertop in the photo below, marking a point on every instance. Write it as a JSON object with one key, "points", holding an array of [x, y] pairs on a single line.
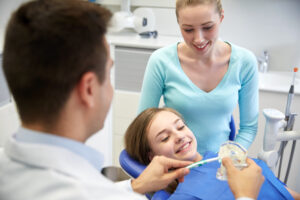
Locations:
{"points": [[130, 39]]}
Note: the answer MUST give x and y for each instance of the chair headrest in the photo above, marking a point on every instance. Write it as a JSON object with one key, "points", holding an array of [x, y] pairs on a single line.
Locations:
{"points": [[131, 166]]}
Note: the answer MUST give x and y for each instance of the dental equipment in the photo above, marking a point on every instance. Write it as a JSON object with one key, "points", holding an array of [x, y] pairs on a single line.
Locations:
{"points": [[290, 118], [229, 149], [141, 19], [263, 62], [279, 128], [236, 152]]}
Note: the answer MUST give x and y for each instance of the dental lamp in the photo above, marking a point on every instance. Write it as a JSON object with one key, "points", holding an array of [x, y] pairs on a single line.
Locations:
{"points": [[141, 20]]}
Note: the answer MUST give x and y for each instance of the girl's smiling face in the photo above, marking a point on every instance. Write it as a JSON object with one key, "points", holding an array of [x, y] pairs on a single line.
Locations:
{"points": [[169, 136]]}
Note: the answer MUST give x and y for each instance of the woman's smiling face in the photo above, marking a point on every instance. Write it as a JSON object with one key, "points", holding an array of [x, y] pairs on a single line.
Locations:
{"points": [[199, 26], [169, 136]]}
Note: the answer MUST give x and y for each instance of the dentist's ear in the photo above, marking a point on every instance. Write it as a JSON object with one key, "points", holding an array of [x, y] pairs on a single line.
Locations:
{"points": [[86, 89]]}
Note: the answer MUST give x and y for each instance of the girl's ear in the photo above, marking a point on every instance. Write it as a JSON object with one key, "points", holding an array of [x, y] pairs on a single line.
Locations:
{"points": [[150, 155]]}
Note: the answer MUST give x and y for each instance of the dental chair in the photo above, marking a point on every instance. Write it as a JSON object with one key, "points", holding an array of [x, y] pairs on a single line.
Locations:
{"points": [[134, 168]]}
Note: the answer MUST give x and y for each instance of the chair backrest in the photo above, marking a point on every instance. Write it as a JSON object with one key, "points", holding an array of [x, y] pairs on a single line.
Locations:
{"points": [[135, 168], [232, 129]]}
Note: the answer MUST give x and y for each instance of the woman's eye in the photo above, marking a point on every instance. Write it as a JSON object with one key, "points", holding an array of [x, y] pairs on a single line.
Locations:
{"points": [[207, 28], [188, 30]]}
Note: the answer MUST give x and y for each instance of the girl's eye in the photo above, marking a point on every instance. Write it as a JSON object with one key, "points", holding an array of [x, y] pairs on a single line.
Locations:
{"points": [[181, 127], [165, 139]]}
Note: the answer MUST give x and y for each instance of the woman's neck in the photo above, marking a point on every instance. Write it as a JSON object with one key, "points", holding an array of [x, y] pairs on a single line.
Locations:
{"points": [[216, 51]]}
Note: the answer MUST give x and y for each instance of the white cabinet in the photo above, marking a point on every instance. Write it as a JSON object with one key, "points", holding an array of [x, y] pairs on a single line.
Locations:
{"points": [[130, 65]]}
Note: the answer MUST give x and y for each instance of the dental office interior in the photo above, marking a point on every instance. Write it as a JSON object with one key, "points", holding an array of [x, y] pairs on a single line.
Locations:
{"points": [[269, 28]]}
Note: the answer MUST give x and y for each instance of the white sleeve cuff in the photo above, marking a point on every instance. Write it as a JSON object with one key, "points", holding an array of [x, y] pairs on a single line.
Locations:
{"points": [[126, 185]]}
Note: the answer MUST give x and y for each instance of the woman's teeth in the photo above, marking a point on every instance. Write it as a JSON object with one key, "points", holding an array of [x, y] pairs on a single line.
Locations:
{"points": [[202, 46]]}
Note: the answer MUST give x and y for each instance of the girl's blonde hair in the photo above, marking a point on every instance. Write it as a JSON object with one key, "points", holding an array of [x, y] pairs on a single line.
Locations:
{"points": [[185, 3]]}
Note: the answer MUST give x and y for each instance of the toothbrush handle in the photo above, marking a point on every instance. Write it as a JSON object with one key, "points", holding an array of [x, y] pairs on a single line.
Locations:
{"points": [[202, 162]]}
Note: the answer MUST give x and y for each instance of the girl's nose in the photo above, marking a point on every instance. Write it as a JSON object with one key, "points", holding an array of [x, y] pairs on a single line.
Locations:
{"points": [[179, 138]]}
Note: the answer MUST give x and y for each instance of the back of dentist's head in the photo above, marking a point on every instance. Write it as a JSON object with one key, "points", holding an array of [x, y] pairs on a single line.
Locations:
{"points": [[49, 45]]}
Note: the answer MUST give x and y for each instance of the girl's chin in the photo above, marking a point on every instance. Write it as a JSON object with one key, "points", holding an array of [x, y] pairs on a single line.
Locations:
{"points": [[193, 158]]}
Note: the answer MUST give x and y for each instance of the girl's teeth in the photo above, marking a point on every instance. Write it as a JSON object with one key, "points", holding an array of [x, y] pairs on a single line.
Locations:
{"points": [[185, 146]]}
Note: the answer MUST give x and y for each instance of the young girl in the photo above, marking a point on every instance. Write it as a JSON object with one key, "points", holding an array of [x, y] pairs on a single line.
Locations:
{"points": [[204, 78], [162, 131]]}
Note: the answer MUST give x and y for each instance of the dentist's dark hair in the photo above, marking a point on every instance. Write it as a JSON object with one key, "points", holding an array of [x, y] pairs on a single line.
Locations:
{"points": [[49, 45]]}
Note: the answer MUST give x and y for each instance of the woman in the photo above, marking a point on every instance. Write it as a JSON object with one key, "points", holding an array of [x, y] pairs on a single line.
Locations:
{"points": [[162, 131], [204, 78]]}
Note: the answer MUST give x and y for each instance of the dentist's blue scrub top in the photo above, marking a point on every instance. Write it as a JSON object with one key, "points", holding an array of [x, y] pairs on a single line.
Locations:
{"points": [[201, 183]]}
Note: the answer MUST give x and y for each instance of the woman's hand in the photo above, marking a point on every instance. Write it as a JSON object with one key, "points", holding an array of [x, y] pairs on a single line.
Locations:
{"points": [[157, 175]]}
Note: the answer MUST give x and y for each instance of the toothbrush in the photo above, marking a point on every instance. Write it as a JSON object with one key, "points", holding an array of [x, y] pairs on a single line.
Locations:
{"points": [[202, 162]]}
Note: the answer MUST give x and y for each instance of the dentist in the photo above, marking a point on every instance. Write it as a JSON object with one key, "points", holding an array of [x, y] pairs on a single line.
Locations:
{"points": [[57, 64]]}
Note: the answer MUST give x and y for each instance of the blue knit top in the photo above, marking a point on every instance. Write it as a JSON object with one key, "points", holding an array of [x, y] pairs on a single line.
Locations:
{"points": [[207, 114]]}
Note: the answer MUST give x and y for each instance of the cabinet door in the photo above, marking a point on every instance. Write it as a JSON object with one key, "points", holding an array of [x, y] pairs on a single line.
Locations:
{"points": [[130, 65]]}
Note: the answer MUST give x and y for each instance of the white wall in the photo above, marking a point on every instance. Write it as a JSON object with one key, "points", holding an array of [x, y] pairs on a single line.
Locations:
{"points": [[271, 25], [9, 119], [6, 7]]}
